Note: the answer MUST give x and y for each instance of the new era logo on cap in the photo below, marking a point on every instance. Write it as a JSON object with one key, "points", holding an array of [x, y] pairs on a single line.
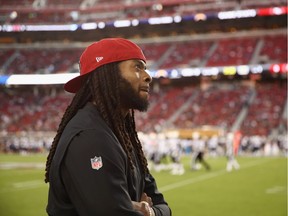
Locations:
{"points": [[98, 59]]}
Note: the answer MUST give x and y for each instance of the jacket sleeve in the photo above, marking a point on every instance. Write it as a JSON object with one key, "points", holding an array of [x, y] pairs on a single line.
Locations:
{"points": [[160, 206], [97, 192]]}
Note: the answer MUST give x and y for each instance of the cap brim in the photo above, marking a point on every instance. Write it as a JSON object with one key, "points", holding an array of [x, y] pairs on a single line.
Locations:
{"points": [[75, 84]]}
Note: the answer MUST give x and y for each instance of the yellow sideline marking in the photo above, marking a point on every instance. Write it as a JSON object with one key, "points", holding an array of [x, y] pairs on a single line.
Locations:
{"points": [[204, 177]]}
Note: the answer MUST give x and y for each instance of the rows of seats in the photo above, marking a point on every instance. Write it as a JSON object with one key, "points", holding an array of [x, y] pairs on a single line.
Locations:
{"points": [[162, 55], [39, 61], [144, 121], [26, 111], [47, 3], [77, 3], [169, 101], [13, 3], [215, 106], [233, 52], [256, 4], [154, 52], [57, 12], [69, 3], [186, 54], [275, 48], [265, 112], [65, 11]]}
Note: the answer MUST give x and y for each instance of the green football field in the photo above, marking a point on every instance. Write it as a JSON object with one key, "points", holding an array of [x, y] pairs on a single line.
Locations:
{"points": [[259, 188]]}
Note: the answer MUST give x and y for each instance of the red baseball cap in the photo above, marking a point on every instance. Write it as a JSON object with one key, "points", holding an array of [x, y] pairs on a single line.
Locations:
{"points": [[102, 52]]}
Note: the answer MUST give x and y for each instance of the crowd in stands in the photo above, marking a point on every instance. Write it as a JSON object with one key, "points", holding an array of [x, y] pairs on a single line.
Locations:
{"points": [[30, 116], [217, 106], [186, 54], [27, 111], [41, 61], [65, 11], [233, 52], [162, 55], [265, 112], [274, 48]]}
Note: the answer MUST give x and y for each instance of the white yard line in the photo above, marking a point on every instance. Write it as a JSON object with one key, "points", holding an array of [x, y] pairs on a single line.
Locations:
{"points": [[13, 165], [39, 183], [28, 184], [18, 186], [276, 189], [204, 177]]}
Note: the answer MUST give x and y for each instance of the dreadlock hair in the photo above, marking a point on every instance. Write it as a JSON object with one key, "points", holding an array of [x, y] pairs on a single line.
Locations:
{"points": [[102, 87]]}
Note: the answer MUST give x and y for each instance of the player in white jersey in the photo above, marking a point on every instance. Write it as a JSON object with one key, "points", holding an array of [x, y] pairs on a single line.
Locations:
{"points": [[230, 154], [175, 153], [198, 151]]}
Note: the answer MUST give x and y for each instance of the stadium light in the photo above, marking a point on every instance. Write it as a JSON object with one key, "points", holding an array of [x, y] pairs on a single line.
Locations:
{"points": [[101, 25], [212, 71], [122, 23], [88, 26], [188, 72], [160, 20], [135, 22], [70, 27], [174, 73], [228, 71], [39, 79], [237, 14], [243, 70]]}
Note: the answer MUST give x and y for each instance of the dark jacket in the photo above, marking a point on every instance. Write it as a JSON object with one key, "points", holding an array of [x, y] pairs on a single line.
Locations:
{"points": [[78, 186]]}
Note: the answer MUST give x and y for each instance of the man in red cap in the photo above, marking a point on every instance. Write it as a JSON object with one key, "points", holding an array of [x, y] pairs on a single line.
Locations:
{"points": [[96, 164]]}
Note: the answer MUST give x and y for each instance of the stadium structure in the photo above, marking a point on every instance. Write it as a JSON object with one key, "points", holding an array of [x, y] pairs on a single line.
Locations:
{"points": [[219, 66]]}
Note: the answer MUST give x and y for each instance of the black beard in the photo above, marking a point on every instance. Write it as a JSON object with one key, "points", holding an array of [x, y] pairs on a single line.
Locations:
{"points": [[131, 98]]}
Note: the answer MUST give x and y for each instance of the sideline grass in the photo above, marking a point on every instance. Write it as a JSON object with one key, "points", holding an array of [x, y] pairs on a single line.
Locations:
{"points": [[258, 188]]}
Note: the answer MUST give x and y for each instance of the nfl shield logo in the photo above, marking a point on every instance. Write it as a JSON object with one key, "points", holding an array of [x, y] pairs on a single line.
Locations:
{"points": [[96, 163]]}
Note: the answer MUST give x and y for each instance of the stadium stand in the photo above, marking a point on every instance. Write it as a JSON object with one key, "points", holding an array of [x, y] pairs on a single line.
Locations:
{"points": [[233, 52], [273, 49], [52, 11], [23, 113], [218, 106], [187, 53], [255, 106], [162, 55], [41, 61], [265, 112]]}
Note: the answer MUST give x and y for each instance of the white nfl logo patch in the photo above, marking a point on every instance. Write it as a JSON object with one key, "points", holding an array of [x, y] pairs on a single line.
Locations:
{"points": [[96, 163]]}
